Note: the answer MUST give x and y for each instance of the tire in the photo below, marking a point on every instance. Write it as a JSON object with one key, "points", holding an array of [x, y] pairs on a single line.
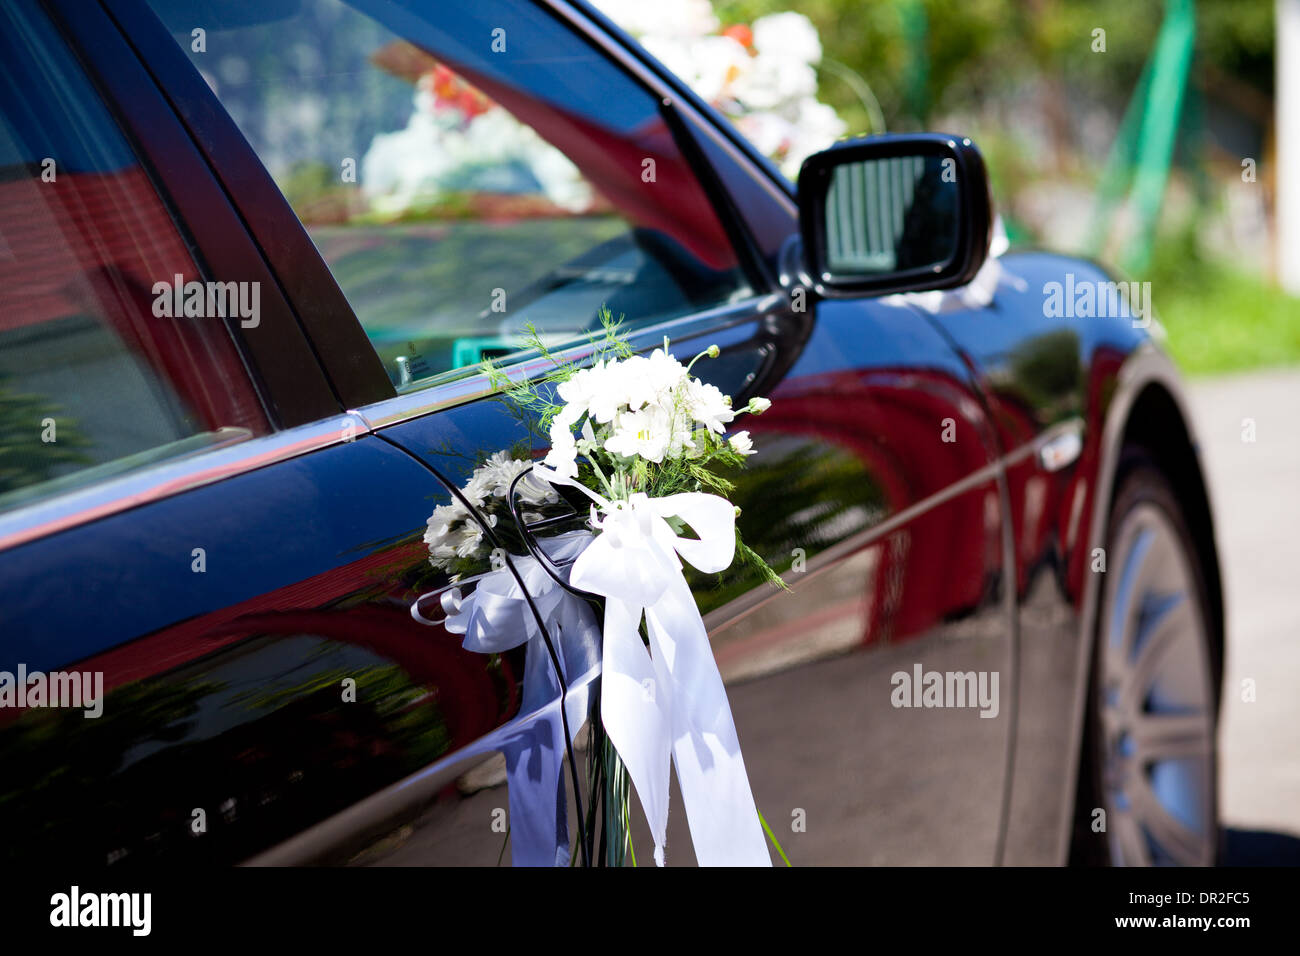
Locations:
{"points": [[1149, 757]]}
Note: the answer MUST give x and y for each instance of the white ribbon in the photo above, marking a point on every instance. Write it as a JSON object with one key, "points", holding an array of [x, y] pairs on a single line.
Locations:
{"points": [[670, 701], [496, 617]]}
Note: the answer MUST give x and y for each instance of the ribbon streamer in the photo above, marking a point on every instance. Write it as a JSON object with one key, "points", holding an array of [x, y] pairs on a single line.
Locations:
{"points": [[669, 702], [495, 617]]}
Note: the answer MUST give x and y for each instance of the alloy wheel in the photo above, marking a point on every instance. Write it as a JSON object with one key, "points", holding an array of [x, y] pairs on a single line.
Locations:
{"points": [[1156, 701]]}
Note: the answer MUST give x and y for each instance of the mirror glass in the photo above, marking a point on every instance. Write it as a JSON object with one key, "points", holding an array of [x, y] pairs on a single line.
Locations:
{"points": [[891, 215]]}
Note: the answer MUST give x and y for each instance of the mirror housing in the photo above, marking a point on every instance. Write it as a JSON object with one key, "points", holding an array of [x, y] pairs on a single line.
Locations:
{"points": [[896, 213]]}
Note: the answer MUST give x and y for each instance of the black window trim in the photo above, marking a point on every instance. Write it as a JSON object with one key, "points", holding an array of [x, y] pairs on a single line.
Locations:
{"points": [[337, 343], [327, 318], [276, 355], [303, 413]]}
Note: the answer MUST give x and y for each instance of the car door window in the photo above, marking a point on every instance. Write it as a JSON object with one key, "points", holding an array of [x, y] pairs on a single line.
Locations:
{"points": [[99, 373], [466, 170]]}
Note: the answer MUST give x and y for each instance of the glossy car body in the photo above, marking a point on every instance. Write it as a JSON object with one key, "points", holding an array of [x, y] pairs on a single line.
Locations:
{"points": [[905, 486]]}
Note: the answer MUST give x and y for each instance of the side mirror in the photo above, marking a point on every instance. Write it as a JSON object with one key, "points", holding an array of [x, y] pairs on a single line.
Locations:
{"points": [[894, 213]]}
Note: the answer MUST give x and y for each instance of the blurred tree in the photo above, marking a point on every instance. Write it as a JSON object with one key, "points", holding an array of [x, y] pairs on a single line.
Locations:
{"points": [[25, 459], [981, 50]]}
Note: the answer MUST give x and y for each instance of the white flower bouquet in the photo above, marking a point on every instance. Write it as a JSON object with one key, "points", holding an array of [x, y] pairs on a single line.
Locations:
{"points": [[645, 441], [453, 536]]}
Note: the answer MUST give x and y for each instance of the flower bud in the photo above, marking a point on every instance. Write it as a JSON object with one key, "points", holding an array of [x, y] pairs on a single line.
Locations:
{"points": [[757, 406], [712, 351]]}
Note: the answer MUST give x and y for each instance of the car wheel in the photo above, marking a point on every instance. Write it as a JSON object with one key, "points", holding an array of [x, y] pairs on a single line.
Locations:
{"points": [[1149, 757]]}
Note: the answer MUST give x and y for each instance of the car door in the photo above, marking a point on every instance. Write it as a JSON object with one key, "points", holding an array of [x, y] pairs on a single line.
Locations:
{"points": [[1046, 377], [463, 177], [206, 566]]}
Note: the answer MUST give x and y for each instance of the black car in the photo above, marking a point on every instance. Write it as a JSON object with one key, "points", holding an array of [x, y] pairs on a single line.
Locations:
{"points": [[252, 258]]}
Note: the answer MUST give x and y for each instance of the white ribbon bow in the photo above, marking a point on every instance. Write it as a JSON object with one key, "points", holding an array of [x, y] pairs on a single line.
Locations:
{"points": [[670, 701], [495, 617]]}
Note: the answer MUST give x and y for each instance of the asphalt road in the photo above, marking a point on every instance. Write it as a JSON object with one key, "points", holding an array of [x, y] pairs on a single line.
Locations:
{"points": [[1255, 487]]}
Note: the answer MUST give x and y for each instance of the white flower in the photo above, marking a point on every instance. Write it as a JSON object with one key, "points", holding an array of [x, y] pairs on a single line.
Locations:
{"points": [[440, 522], [564, 467], [787, 35], [652, 380], [561, 434], [442, 150], [674, 18], [640, 407], [577, 391], [631, 388], [645, 433], [757, 406], [718, 62], [654, 432], [500, 472], [673, 52], [768, 87], [773, 81], [604, 389], [770, 133], [470, 537], [665, 370], [563, 456], [493, 479], [742, 443], [452, 532], [818, 123], [816, 127], [708, 406]]}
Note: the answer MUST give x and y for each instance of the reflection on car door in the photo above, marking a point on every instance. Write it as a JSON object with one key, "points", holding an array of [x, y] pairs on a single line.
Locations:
{"points": [[874, 493], [237, 591], [876, 490], [261, 670]]}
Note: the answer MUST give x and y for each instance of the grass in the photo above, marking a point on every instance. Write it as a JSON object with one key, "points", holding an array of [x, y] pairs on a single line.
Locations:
{"points": [[1221, 318]]}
